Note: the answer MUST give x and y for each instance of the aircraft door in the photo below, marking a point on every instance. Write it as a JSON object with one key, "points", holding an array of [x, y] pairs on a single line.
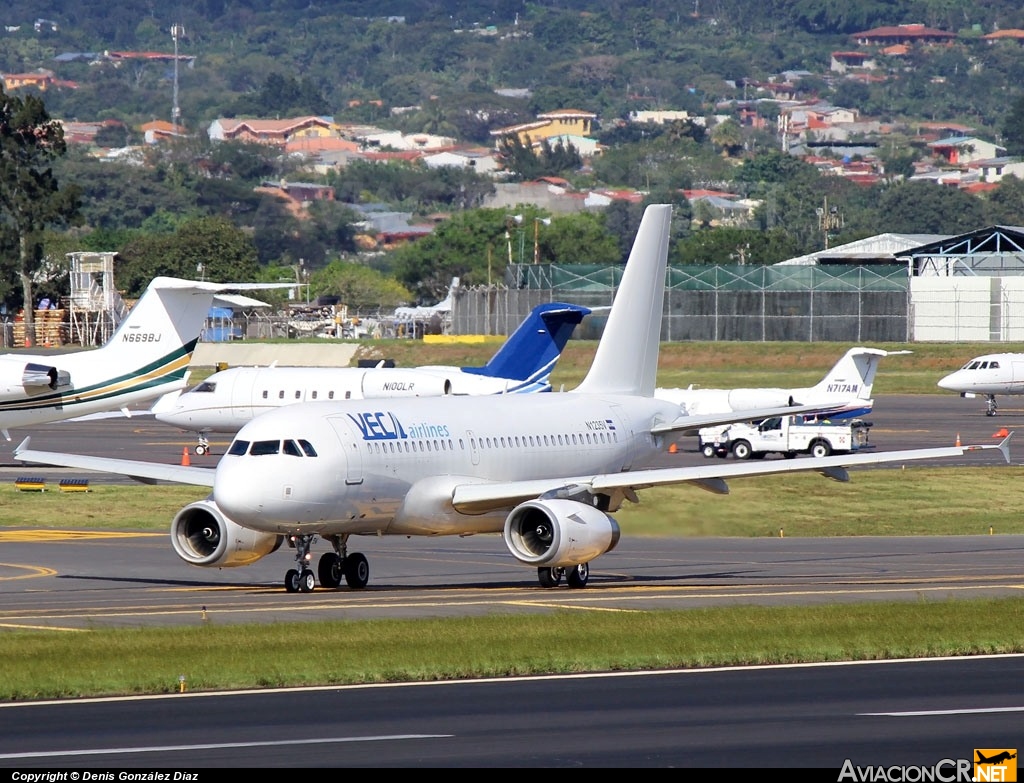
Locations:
{"points": [[240, 395], [474, 452], [624, 436], [351, 446], [1017, 384]]}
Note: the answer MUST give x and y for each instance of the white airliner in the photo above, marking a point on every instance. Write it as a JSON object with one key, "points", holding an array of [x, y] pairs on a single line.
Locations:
{"points": [[543, 470], [995, 373], [147, 356], [845, 390], [229, 398]]}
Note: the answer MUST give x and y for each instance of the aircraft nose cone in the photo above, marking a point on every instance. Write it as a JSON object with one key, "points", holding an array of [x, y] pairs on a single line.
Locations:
{"points": [[950, 382], [236, 493]]}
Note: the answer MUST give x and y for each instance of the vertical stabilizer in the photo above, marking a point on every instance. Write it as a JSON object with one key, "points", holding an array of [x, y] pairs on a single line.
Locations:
{"points": [[532, 350], [160, 333], [626, 361], [853, 375]]}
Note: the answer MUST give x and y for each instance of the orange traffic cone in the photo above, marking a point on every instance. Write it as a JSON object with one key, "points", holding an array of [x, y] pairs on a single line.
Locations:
{"points": [[958, 439], [185, 460], [1001, 433], [672, 449]]}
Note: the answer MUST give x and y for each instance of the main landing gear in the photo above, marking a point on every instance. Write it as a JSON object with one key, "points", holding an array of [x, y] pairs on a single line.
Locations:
{"points": [[332, 568], [575, 577], [203, 446], [991, 400]]}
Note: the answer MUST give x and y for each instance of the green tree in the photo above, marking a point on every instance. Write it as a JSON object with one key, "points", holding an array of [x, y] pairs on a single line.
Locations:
{"points": [[210, 248], [31, 199], [363, 289], [1013, 127], [920, 207]]}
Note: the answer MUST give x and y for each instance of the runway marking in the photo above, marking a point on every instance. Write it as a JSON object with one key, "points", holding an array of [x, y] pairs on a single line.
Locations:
{"points": [[928, 713], [218, 746], [33, 536], [35, 571], [214, 613], [543, 604], [23, 627]]}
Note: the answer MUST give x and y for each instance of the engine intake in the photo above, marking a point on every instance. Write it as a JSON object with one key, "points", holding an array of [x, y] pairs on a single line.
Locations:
{"points": [[202, 536], [559, 533]]}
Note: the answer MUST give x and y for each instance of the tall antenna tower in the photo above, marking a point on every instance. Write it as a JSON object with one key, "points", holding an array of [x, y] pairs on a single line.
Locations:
{"points": [[177, 31]]}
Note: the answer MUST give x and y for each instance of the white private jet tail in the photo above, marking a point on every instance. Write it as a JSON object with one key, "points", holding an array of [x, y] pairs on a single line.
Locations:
{"points": [[147, 356]]}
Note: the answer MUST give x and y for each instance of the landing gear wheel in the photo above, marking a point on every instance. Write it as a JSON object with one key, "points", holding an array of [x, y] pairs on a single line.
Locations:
{"points": [[307, 581], [291, 581], [201, 449], [550, 577], [357, 570], [991, 407], [577, 576], [330, 570]]}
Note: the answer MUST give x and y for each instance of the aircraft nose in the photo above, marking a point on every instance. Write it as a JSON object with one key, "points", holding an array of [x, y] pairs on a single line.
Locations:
{"points": [[237, 491], [950, 382]]}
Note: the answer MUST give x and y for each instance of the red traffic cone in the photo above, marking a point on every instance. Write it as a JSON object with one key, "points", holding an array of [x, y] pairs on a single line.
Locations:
{"points": [[185, 460], [958, 439]]}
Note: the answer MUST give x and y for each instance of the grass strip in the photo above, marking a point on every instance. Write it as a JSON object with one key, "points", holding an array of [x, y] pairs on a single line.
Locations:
{"points": [[913, 501], [36, 665]]}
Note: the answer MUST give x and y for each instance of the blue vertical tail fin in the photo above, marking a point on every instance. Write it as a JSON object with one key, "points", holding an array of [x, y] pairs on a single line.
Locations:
{"points": [[531, 352]]}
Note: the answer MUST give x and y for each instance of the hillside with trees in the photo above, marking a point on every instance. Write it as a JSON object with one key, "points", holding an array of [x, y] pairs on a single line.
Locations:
{"points": [[465, 69]]}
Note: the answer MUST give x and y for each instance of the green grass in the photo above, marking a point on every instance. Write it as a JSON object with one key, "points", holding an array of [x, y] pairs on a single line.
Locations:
{"points": [[133, 661], [912, 501]]}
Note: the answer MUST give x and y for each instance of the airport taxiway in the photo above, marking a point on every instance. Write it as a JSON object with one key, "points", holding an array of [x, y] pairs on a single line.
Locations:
{"points": [[73, 580]]}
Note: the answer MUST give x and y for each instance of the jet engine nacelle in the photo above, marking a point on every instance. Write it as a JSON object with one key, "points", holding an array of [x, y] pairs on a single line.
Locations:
{"points": [[18, 377], [746, 399], [202, 536], [559, 533], [398, 383]]}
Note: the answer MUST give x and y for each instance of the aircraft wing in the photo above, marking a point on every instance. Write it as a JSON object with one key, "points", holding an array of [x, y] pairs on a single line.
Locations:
{"points": [[689, 425], [478, 498], [145, 472]]}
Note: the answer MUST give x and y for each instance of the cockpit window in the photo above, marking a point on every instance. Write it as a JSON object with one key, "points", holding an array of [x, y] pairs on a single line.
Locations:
{"points": [[206, 386], [291, 449], [238, 448], [308, 448], [993, 365], [971, 366], [262, 448]]}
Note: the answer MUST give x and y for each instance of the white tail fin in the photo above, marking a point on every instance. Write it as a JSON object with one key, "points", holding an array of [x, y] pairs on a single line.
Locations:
{"points": [[159, 334], [626, 361], [853, 375]]}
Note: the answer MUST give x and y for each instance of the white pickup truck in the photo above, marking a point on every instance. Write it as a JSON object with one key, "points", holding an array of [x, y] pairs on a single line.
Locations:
{"points": [[787, 435]]}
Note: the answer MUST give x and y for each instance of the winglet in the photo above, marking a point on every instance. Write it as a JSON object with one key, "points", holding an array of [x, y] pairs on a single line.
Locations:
{"points": [[22, 446], [1004, 447]]}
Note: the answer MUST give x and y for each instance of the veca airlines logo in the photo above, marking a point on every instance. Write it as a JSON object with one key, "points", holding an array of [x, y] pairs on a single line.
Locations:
{"points": [[995, 764], [381, 425]]}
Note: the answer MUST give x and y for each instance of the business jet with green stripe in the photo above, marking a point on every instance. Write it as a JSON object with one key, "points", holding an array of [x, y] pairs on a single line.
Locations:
{"points": [[147, 357]]}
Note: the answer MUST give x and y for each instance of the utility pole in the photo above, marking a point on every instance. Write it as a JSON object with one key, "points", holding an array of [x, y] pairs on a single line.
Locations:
{"points": [[177, 31], [829, 219]]}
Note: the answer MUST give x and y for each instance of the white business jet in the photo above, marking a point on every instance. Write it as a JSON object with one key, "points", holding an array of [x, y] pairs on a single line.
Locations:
{"points": [[230, 398], [845, 390], [543, 470], [148, 356], [995, 373]]}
